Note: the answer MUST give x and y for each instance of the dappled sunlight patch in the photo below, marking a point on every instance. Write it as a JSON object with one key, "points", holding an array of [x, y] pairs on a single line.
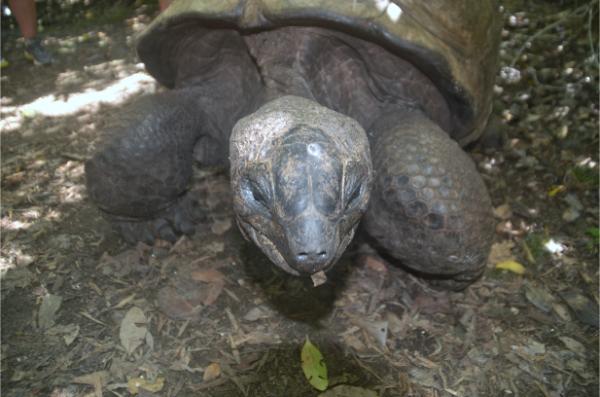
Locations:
{"points": [[587, 162], [53, 215], [13, 257], [14, 224], [71, 194], [68, 175], [32, 213], [489, 164], [90, 99], [70, 169], [30, 219], [124, 81], [554, 247], [392, 10]]}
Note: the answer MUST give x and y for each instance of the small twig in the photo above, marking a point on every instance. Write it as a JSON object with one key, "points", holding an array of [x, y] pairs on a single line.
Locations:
{"points": [[89, 317], [540, 32], [367, 368], [542, 388], [74, 156], [590, 37], [183, 328]]}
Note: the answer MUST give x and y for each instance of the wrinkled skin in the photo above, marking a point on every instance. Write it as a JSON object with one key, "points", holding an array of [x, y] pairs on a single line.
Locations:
{"points": [[300, 195], [300, 165]]}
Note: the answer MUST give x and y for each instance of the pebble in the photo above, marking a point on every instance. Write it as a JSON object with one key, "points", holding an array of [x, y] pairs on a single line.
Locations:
{"points": [[510, 74], [570, 215]]}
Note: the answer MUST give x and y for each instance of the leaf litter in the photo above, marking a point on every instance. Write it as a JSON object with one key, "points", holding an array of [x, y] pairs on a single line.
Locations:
{"points": [[514, 334]]}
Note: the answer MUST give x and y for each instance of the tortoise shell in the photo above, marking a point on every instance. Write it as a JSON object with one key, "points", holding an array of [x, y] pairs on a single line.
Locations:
{"points": [[454, 42]]}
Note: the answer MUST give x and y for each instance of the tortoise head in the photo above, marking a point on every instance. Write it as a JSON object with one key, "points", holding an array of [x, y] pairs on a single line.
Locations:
{"points": [[301, 176]]}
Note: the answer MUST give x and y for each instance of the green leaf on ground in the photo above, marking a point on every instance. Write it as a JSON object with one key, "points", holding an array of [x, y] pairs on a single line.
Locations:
{"points": [[586, 175], [593, 232], [535, 242], [314, 366]]}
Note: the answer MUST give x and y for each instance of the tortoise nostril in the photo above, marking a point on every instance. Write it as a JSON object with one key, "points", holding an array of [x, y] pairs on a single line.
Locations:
{"points": [[311, 256], [302, 256]]}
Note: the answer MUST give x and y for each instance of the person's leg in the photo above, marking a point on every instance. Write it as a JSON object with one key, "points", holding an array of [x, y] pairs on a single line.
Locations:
{"points": [[26, 16], [163, 4]]}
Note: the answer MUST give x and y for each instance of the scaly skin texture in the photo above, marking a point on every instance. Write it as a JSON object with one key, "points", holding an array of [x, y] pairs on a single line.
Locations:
{"points": [[429, 208], [300, 176], [139, 178]]}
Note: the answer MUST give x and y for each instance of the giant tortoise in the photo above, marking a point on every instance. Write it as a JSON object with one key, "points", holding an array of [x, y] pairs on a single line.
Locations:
{"points": [[326, 112]]}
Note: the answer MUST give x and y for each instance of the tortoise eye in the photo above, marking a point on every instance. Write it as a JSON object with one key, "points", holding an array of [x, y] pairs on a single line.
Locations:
{"points": [[257, 195], [354, 196]]}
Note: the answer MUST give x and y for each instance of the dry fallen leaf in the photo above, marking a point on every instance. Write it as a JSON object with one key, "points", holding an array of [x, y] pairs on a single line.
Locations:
{"points": [[377, 329], [135, 384], [556, 189], [207, 275], [48, 309], [221, 226], [501, 252], [512, 266], [214, 290], [257, 313], [503, 211], [573, 345], [68, 332], [133, 329], [348, 391], [318, 278], [96, 379], [212, 371]]}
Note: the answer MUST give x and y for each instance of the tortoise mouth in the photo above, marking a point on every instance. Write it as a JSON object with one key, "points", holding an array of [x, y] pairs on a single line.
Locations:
{"points": [[267, 246], [286, 262]]}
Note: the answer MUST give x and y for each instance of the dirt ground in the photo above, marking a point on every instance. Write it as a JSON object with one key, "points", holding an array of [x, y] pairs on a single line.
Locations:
{"points": [[84, 314]]}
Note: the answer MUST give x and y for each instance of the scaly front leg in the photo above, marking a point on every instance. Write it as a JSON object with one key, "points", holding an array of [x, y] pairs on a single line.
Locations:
{"points": [[429, 207]]}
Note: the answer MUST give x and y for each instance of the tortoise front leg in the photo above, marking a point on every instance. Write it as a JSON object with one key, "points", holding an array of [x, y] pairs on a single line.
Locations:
{"points": [[429, 207], [140, 177]]}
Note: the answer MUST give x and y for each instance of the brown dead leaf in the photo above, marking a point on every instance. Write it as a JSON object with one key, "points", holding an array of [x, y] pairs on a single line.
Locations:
{"points": [[503, 211], [374, 263], [213, 292], [96, 379], [125, 262], [574, 345], [212, 371], [47, 312], [208, 275], [124, 301], [180, 306], [319, 278], [257, 313], [348, 391], [354, 342], [430, 304], [501, 252], [221, 226], [133, 330], [182, 245], [135, 384], [13, 180], [254, 338]]}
